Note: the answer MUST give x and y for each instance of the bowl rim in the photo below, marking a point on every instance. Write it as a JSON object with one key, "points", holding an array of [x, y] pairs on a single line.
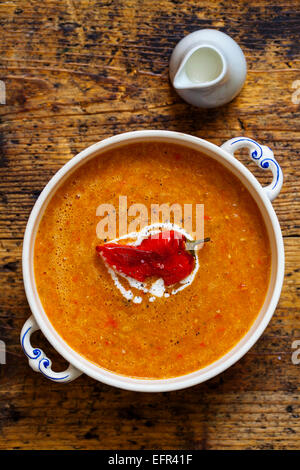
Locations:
{"points": [[88, 367]]}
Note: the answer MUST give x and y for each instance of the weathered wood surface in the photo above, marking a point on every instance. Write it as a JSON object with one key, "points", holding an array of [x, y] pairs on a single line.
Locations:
{"points": [[77, 71]]}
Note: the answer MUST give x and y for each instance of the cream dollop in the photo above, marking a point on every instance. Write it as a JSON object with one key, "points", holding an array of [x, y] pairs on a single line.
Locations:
{"points": [[156, 289]]}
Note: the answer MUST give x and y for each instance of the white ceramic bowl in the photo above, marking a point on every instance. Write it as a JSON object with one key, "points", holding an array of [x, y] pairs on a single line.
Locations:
{"points": [[262, 155]]}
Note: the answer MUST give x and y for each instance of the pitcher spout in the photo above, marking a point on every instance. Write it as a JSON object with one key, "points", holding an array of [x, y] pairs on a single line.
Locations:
{"points": [[202, 67]]}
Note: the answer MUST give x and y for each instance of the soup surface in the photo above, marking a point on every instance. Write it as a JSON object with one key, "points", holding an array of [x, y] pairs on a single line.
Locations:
{"points": [[152, 337]]}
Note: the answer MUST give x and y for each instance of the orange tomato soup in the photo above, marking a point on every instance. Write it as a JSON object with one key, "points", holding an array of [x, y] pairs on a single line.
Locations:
{"points": [[170, 336]]}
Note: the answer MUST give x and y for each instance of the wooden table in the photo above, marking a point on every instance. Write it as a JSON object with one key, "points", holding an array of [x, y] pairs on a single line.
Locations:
{"points": [[77, 71]]}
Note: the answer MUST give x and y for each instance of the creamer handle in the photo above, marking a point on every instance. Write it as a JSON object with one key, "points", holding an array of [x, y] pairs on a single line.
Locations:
{"points": [[37, 359], [263, 157]]}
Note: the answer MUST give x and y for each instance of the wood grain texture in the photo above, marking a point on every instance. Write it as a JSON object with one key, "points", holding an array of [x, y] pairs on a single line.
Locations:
{"points": [[77, 71]]}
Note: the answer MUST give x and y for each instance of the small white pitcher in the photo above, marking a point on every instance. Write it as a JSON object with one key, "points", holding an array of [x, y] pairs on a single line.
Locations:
{"points": [[207, 68]]}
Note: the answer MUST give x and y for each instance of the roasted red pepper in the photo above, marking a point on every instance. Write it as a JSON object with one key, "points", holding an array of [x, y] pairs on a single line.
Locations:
{"points": [[163, 255]]}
